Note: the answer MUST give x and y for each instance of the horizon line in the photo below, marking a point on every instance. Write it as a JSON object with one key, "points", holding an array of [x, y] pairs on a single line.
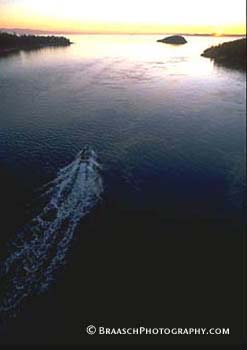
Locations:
{"points": [[66, 32]]}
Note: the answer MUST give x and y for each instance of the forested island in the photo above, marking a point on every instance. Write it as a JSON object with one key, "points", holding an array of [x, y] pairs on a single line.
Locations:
{"points": [[230, 54], [13, 42]]}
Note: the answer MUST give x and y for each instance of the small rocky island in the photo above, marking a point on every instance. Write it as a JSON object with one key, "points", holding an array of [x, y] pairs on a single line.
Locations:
{"points": [[174, 40], [13, 43], [230, 54]]}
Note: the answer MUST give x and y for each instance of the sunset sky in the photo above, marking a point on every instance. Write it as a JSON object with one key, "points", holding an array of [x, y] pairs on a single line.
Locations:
{"points": [[126, 16]]}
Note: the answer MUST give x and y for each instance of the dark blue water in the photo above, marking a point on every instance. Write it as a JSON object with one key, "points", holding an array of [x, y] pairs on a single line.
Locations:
{"points": [[167, 125]]}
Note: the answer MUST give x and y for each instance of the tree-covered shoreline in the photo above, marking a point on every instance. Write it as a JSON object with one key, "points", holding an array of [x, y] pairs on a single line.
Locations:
{"points": [[13, 42], [230, 54]]}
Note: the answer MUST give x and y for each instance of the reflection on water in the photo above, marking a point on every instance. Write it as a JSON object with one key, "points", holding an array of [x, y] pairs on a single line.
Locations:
{"points": [[167, 123], [169, 130], [21, 53], [142, 48]]}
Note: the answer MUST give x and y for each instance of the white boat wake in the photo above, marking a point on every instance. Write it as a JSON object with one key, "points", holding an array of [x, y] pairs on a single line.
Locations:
{"points": [[41, 247]]}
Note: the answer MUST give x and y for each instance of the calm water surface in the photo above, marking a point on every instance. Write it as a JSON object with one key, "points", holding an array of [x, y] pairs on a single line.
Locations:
{"points": [[167, 128], [168, 125]]}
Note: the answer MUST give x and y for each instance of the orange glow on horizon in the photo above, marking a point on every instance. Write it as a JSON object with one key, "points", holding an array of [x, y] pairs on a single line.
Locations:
{"points": [[128, 16]]}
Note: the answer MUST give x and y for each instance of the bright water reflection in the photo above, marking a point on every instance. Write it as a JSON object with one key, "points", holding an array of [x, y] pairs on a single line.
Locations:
{"points": [[168, 125]]}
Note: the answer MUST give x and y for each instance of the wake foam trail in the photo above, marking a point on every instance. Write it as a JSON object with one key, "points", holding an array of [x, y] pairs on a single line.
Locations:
{"points": [[41, 247]]}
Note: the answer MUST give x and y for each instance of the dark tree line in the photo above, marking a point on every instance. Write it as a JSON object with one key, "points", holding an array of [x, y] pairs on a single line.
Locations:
{"points": [[232, 54], [11, 41]]}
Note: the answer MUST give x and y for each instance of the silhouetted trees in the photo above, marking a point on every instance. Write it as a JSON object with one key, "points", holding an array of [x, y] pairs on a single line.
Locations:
{"points": [[231, 54], [14, 41]]}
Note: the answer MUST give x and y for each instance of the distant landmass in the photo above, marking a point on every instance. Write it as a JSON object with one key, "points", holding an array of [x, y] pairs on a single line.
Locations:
{"points": [[65, 32], [231, 54], [213, 34], [23, 31], [174, 40], [12, 42]]}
